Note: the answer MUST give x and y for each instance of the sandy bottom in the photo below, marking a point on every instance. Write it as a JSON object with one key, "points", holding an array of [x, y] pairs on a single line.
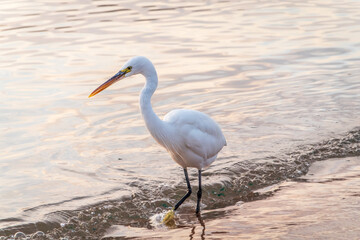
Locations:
{"points": [[324, 204]]}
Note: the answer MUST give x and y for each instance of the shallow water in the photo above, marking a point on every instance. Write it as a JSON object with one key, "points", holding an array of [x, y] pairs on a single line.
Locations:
{"points": [[324, 204], [280, 78]]}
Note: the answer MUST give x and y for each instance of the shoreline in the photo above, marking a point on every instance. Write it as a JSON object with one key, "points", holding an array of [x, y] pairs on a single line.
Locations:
{"points": [[323, 204]]}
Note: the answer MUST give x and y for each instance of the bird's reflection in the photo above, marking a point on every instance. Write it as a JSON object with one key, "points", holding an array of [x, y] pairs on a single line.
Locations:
{"points": [[202, 223]]}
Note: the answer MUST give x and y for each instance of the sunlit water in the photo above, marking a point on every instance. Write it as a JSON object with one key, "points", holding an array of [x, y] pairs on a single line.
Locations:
{"points": [[322, 205], [277, 76]]}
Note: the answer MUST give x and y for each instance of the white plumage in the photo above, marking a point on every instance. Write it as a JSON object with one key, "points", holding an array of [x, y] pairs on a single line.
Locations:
{"points": [[192, 138], [197, 138]]}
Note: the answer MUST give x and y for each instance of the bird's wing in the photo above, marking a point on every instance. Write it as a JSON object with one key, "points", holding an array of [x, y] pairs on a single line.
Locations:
{"points": [[199, 133]]}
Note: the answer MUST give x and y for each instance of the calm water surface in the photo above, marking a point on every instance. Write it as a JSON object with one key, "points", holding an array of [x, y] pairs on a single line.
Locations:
{"points": [[277, 76]]}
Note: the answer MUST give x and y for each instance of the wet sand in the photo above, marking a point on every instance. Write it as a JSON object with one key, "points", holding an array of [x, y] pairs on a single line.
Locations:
{"points": [[323, 204]]}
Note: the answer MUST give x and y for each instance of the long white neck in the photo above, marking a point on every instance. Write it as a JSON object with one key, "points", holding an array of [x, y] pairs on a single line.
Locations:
{"points": [[153, 123]]}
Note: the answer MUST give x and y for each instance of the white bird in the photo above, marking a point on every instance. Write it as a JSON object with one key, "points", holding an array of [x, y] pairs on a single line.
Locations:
{"points": [[192, 138]]}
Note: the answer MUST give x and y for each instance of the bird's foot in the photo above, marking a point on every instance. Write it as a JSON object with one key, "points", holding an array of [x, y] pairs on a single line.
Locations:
{"points": [[169, 217], [198, 214]]}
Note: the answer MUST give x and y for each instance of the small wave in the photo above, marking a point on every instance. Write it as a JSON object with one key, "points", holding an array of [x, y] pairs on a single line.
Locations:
{"points": [[238, 183]]}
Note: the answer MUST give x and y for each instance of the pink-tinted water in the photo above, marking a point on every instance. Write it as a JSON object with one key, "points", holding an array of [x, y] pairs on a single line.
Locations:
{"points": [[274, 75]]}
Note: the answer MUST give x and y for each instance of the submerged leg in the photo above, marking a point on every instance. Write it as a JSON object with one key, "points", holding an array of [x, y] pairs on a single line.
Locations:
{"points": [[187, 194], [199, 193]]}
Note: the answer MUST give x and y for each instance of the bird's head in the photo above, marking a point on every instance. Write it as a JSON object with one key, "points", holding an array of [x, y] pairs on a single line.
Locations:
{"points": [[134, 66]]}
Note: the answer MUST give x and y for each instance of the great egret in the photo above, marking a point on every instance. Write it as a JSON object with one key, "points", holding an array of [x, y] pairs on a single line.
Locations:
{"points": [[192, 138]]}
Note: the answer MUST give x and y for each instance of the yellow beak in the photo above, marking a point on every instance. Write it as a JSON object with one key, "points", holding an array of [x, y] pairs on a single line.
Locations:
{"points": [[120, 75]]}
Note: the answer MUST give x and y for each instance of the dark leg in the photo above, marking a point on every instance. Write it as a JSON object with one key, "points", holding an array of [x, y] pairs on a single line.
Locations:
{"points": [[199, 193], [187, 194]]}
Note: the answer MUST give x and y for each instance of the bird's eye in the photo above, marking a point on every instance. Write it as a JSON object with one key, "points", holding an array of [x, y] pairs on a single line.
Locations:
{"points": [[130, 67]]}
